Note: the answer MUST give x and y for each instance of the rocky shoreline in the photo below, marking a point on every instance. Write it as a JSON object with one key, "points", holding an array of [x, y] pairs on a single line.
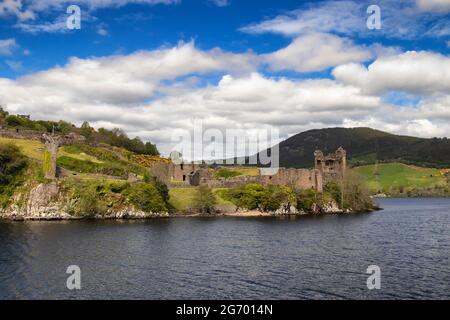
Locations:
{"points": [[46, 202]]}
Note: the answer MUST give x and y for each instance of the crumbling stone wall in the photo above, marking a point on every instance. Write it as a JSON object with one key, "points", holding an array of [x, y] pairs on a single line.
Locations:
{"points": [[181, 172], [20, 134], [298, 178]]}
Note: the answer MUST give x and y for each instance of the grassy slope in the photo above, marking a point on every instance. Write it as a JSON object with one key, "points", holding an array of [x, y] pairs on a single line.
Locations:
{"points": [[80, 156], [400, 175], [35, 150], [182, 199], [245, 171], [30, 148]]}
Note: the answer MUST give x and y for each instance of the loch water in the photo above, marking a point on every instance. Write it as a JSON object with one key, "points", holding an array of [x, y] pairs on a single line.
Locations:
{"points": [[309, 257]]}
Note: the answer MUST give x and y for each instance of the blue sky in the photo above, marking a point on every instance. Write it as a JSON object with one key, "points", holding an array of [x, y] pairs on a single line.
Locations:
{"points": [[236, 63], [134, 27]]}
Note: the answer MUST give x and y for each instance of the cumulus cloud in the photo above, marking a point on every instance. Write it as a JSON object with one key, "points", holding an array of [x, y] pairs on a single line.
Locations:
{"points": [[424, 73], [317, 51], [134, 77], [158, 95]]}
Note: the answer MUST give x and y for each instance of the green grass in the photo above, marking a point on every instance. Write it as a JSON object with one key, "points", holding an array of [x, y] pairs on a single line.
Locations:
{"points": [[85, 166], [230, 172], [247, 171], [400, 175], [183, 198], [30, 148], [66, 151]]}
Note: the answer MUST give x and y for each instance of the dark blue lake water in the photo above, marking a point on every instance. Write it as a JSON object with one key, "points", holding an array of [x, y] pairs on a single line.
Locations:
{"points": [[234, 258]]}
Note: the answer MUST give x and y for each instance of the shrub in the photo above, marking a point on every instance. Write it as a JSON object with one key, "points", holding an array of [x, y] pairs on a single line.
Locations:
{"points": [[334, 190], [159, 185], [275, 197], [88, 202], [354, 191], [204, 200], [305, 199], [12, 165], [146, 197], [271, 201], [245, 197]]}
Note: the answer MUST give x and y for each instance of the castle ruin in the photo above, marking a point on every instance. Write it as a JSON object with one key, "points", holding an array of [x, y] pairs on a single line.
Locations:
{"points": [[326, 168], [331, 166]]}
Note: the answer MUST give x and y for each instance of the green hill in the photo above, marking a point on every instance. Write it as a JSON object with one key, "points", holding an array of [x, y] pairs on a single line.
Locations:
{"points": [[402, 179], [365, 146]]}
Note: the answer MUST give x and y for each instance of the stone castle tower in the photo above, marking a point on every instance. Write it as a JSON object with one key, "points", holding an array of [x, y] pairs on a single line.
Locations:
{"points": [[332, 166]]}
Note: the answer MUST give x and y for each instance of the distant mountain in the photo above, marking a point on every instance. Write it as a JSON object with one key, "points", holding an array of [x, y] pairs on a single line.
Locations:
{"points": [[364, 146]]}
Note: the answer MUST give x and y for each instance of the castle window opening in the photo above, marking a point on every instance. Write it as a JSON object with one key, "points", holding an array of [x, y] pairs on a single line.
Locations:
{"points": [[182, 166], [184, 177]]}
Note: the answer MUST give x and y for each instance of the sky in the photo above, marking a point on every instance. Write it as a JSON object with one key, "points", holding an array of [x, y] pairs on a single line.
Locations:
{"points": [[157, 68]]}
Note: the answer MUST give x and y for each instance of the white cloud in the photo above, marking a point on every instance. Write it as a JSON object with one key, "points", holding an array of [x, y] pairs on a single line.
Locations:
{"points": [[15, 7], [14, 65], [102, 31], [57, 26], [221, 3], [314, 52], [134, 77], [400, 19], [7, 46], [25, 11], [415, 72], [331, 16], [156, 94], [44, 5], [434, 5]]}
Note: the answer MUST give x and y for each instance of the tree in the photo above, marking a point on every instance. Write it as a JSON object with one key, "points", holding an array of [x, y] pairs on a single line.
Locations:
{"points": [[204, 200], [86, 130], [355, 194], [64, 127], [151, 149], [3, 113]]}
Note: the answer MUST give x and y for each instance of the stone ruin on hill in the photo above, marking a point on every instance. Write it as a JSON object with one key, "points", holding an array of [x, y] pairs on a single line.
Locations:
{"points": [[326, 168]]}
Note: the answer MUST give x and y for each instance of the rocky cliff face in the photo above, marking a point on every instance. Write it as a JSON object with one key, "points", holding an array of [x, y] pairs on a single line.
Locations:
{"points": [[48, 202]]}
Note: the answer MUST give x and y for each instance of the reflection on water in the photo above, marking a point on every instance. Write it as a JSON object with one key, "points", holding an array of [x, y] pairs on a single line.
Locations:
{"points": [[274, 258]]}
